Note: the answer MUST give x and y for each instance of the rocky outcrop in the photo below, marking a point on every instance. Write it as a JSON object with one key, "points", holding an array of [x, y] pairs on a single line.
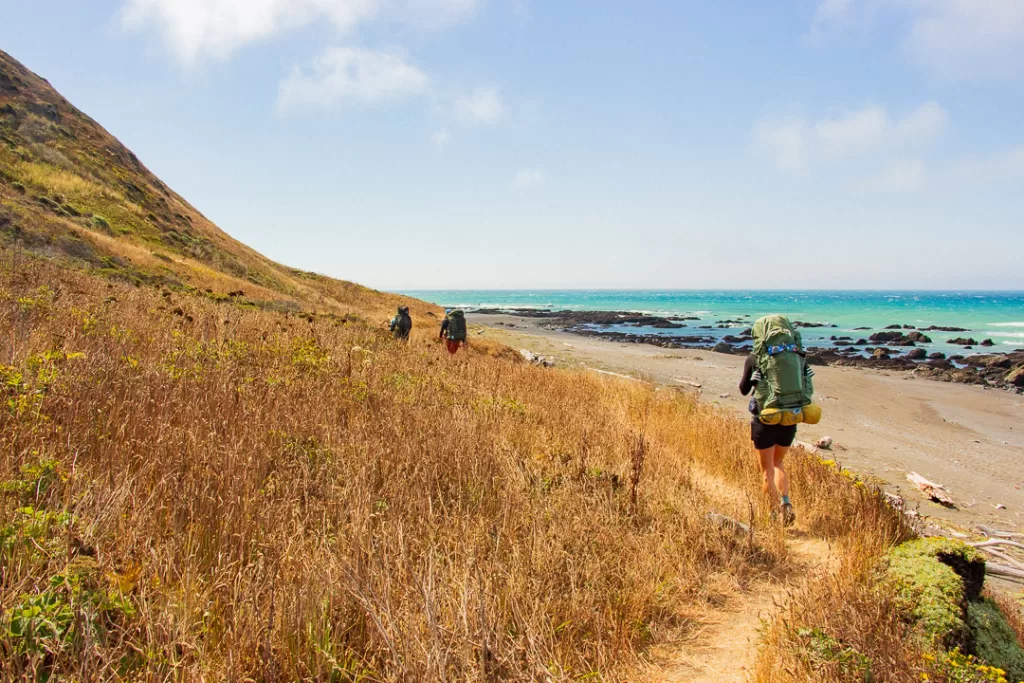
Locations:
{"points": [[901, 338]]}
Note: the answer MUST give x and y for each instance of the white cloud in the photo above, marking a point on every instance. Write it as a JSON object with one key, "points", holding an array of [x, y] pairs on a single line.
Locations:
{"points": [[440, 139], [979, 40], [528, 178], [898, 177], [969, 39], [784, 141], [196, 30], [852, 133], [343, 74], [795, 143], [830, 14], [1004, 164], [924, 123], [483, 105]]}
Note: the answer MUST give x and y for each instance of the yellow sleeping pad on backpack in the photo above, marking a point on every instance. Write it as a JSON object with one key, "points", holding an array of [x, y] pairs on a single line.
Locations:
{"points": [[787, 417]]}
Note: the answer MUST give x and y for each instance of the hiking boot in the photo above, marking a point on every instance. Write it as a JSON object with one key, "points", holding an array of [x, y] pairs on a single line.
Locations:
{"points": [[788, 516]]}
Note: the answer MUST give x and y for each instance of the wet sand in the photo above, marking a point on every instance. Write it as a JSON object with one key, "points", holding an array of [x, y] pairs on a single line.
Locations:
{"points": [[884, 424]]}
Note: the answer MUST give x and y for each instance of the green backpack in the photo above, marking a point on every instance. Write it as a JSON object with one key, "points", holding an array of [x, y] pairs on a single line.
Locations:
{"points": [[785, 382], [457, 326]]}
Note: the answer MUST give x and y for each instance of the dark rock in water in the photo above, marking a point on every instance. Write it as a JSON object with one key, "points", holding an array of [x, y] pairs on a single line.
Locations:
{"points": [[988, 342], [917, 354], [860, 329], [937, 328], [962, 341], [722, 347], [732, 339], [957, 357], [861, 342], [747, 332], [901, 338], [706, 327], [938, 355], [801, 323]]}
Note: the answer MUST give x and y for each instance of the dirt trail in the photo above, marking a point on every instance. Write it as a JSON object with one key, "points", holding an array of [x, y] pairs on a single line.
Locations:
{"points": [[724, 649]]}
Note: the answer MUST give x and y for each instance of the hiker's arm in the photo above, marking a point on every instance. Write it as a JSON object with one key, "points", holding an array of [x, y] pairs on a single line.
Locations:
{"points": [[747, 382], [444, 328]]}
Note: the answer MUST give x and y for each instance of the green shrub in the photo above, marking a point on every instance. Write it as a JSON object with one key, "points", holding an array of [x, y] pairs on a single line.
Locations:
{"points": [[994, 639], [36, 479], [823, 652], [932, 575], [101, 223]]}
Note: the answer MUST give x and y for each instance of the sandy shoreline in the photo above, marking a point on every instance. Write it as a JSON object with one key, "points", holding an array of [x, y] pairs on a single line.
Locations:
{"points": [[884, 423]]}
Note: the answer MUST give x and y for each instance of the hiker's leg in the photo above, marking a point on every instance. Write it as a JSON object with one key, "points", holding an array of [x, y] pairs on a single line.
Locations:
{"points": [[781, 478], [767, 456]]}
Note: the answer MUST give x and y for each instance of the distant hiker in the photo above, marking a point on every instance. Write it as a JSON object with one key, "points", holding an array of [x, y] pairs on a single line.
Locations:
{"points": [[453, 329], [778, 373], [401, 324]]}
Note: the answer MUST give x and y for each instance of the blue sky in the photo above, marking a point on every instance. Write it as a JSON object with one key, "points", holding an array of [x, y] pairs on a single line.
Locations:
{"points": [[437, 144]]}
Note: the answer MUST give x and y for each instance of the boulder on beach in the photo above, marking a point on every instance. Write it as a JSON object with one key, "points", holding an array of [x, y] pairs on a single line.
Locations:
{"points": [[722, 347], [1015, 377], [938, 355], [917, 354]]}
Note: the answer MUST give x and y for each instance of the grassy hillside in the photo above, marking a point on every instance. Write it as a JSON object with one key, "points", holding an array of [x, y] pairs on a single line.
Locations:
{"points": [[266, 486], [69, 189], [198, 489]]}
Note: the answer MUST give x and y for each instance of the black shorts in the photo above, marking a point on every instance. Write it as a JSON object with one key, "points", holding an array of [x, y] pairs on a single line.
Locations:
{"points": [[768, 436]]}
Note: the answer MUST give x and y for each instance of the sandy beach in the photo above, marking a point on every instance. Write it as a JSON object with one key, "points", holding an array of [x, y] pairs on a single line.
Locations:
{"points": [[884, 424]]}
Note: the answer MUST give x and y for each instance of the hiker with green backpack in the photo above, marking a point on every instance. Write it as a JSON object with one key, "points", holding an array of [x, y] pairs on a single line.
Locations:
{"points": [[778, 373], [453, 330]]}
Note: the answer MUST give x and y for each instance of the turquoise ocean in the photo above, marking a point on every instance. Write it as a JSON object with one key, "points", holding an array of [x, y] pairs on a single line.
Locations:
{"points": [[998, 316]]}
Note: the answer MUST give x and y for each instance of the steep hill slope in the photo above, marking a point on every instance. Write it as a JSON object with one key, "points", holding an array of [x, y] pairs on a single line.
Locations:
{"points": [[70, 189]]}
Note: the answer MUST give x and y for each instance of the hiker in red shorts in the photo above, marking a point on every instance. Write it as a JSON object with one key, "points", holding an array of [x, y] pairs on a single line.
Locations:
{"points": [[453, 330]]}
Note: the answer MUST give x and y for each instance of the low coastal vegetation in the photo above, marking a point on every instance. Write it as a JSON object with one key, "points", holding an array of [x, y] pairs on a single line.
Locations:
{"points": [[199, 488]]}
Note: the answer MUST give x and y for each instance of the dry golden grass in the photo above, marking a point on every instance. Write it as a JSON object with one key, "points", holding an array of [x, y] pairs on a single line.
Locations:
{"points": [[58, 181], [257, 495], [265, 495]]}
